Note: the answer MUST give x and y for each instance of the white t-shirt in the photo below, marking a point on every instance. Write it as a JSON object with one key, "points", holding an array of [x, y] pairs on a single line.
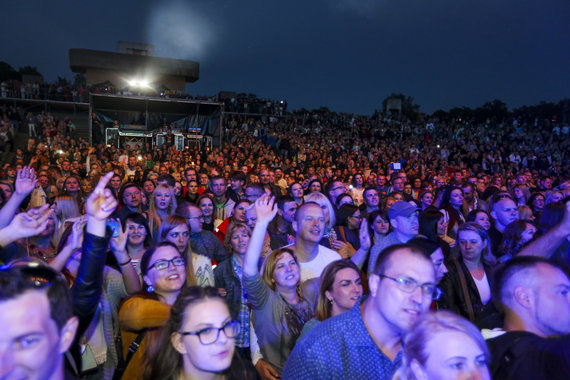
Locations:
{"points": [[315, 267], [483, 288]]}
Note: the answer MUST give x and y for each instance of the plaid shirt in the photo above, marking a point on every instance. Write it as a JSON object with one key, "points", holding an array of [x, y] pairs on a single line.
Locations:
{"points": [[242, 339]]}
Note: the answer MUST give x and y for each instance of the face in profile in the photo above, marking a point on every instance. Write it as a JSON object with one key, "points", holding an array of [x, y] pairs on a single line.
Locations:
{"points": [[203, 360], [452, 355]]}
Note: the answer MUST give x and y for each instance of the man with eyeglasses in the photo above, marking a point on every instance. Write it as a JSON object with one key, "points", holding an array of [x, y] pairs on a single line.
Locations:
{"points": [[202, 242], [130, 198], [365, 342], [333, 189]]}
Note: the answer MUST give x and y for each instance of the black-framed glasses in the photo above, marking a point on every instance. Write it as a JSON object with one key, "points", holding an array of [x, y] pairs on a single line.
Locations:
{"points": [[164, 264], [409, 285], [210, 335]]}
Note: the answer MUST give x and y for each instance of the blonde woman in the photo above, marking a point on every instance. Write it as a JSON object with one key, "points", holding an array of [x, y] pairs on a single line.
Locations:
{"points": [[162, 203], [176, 230]]}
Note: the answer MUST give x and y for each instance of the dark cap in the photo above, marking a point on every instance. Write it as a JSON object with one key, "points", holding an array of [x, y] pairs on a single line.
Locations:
{"points": [[401, 208]]}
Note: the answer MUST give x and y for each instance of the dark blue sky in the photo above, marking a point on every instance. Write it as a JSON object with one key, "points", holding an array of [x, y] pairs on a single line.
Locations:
{"points": [[344, 54]]}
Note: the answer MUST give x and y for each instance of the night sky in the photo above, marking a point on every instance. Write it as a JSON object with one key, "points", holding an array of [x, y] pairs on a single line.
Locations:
{"points": [[344, 54]]}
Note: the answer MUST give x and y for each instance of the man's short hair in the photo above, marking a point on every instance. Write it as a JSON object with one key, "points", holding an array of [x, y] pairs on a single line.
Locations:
{"points": [[369, 188], [17, 280], [168, 178], [284, 199], [518, 268], [383, 262], [256, 185], [303, 206], [238, 175]]}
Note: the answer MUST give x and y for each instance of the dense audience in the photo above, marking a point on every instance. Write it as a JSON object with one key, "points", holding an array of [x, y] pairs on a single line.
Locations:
{"points": [[309, 246]]}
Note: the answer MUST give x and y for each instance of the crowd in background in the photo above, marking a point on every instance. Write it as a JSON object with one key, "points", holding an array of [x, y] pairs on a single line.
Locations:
{"points": [[291, 222]]}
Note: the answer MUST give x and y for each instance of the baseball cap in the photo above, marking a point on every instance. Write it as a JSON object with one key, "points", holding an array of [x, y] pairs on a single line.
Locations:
{"points": [[401, 208]]}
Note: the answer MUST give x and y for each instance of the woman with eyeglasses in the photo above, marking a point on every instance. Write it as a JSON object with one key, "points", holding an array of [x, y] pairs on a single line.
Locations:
{"points": [[467, 285], [198, 341], [175, 229], [141, 316]]}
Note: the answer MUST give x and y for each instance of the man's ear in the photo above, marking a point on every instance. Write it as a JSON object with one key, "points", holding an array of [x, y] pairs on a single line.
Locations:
{"points": [[67, 334], [294, 225], [373, 283], [524, 296]]}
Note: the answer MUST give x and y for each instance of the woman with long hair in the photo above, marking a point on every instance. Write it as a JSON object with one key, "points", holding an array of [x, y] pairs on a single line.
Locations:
{"points": [[340, 288], [348, 224], [357, 188], [516, 235], [536, 203], [297, 192], [426, 199], [206, 204], [453, 203], [380, 225], [141, 316], [72, 186], [162, 203], [441, 346], [134, 239], [521, 194], [198, 341], [175, 229], [467, 286], [279, 308], [65, 208]]}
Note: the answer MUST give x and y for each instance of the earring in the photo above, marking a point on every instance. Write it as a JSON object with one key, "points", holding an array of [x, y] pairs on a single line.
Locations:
{"points": [[150, 289], [331, 301]]}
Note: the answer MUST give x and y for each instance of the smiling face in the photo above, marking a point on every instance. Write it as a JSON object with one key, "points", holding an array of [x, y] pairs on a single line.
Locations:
{"points": [[346, 290], [207, 207], [371, 198], [310, 223], [454, 355], [204, 361], [136, 232], [427, 199], [286, 274], [169, 280], [239, 240]]}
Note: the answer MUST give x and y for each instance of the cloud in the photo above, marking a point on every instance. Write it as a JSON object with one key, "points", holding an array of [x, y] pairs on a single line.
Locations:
{"points": [[180, 31]]}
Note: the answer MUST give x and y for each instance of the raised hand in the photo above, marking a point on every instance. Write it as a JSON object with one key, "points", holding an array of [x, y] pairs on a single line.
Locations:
{"points": [[76, 237], [265, 208], [30, 223], [25, 181], [101, 203], [364, 235], [119, 243]]}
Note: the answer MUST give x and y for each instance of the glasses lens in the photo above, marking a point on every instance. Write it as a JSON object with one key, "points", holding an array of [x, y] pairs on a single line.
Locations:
{"points": [[231, 329], [160, 265], [179, 261], [208, 336]]}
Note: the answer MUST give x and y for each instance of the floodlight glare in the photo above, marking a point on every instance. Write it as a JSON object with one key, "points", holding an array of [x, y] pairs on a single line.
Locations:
{"points": [[144, 83], [133, 82]]}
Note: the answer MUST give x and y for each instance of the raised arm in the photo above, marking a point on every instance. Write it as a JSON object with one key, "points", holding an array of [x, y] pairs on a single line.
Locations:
{"points": [[130, 276], [25, 183], [364, 236], [25, 224], [266, 210], [546, 244]]}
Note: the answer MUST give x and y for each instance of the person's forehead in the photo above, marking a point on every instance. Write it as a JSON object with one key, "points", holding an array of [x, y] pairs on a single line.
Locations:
{"points": [[550, 276], [311, 210], [195, 211], [506, 203], [27, 313], [404, 262]]}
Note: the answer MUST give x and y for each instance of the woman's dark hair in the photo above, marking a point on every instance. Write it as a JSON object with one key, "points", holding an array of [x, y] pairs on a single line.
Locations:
{"points": [[343, 195], [344, 212], [454, 214], [147, 255], [473, 215], [313, 181], [551, 215], [532, 198], [139, 219], [512, 236], [164, 362], [428, 222], [375, 214], [425, 245]]}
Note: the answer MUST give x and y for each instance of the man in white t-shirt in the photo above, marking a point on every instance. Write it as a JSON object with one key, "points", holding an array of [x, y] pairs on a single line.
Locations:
{"points": [[309, 225]]}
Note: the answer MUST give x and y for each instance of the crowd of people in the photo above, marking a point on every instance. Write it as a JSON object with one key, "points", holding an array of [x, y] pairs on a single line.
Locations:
{"points": [[305, 247]]}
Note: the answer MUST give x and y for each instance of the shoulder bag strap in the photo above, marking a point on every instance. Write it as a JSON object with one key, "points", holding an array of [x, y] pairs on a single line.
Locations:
{"points": [[463, 282]]}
